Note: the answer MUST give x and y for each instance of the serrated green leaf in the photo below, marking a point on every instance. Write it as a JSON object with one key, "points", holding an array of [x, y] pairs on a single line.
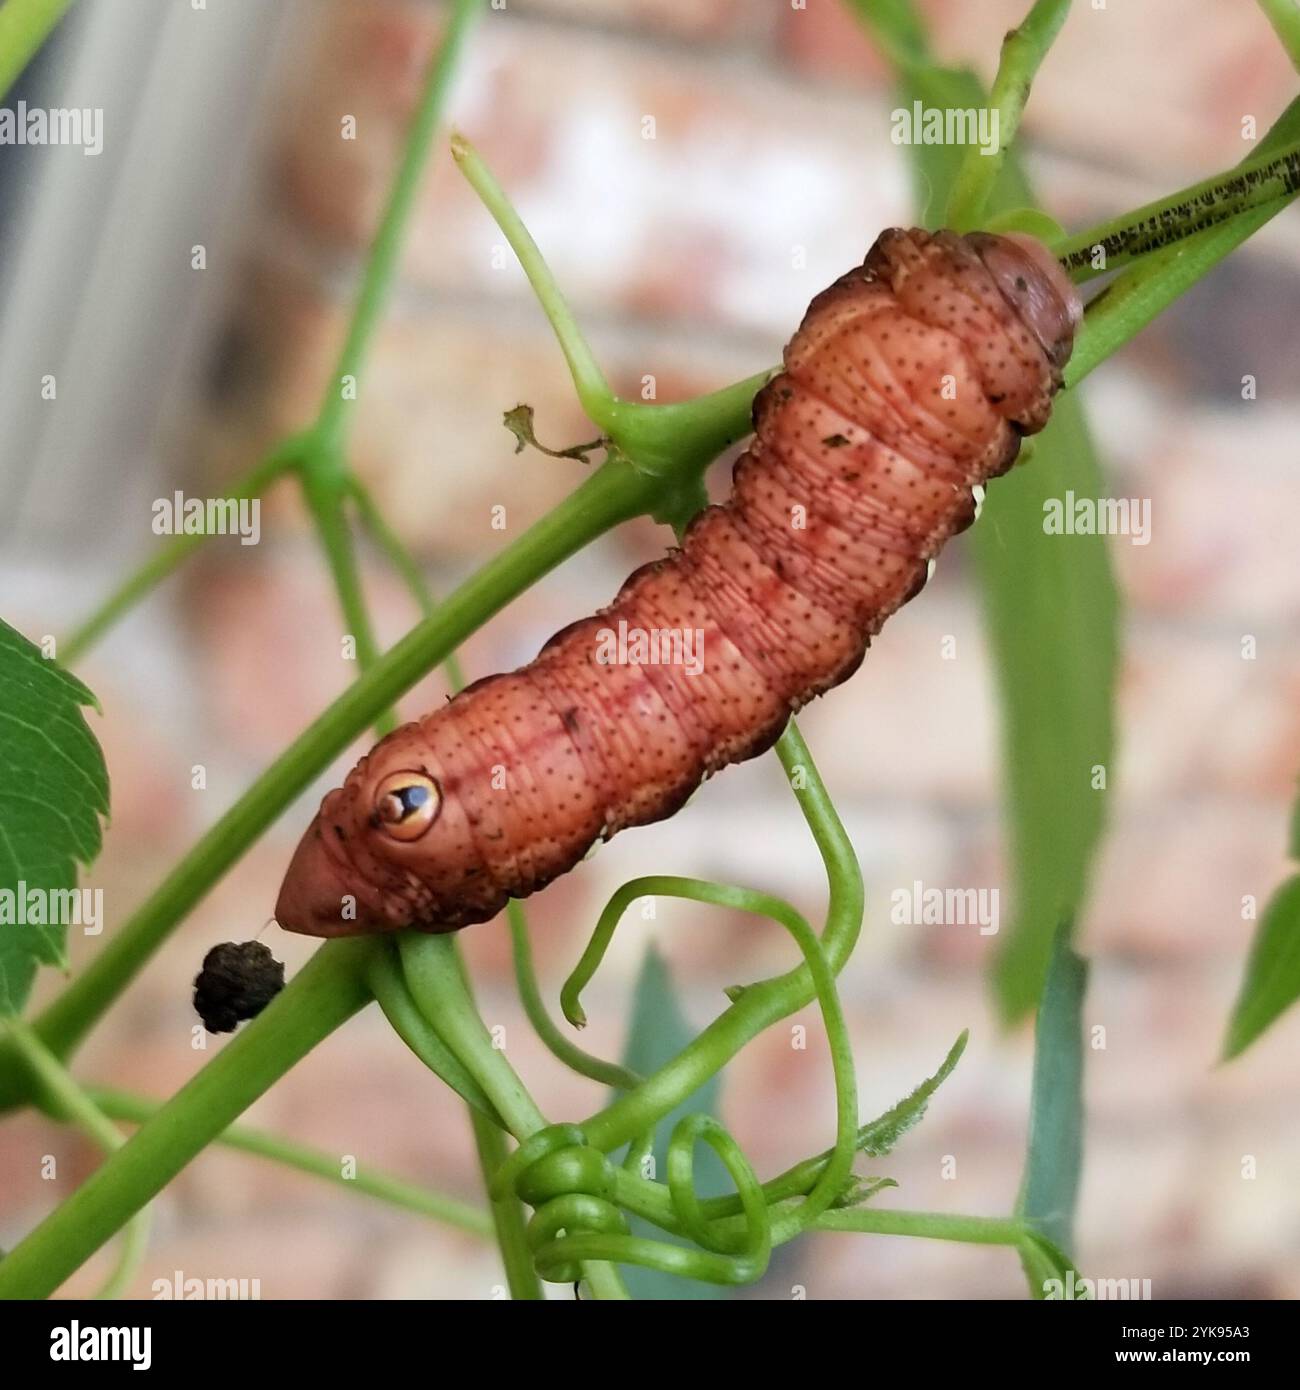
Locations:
{"points": [[658, 1033], [879, 1136], [53, 792], [1272, 980], [1055, 1151]]}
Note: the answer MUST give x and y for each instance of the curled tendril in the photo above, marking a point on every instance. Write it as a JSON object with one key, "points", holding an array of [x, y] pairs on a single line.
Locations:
{"points": [[572, 1188], [835, 1173]]}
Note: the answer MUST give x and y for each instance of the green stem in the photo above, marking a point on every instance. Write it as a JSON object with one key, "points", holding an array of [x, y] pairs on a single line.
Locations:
{"points": [[1144, 291], [385, 252], [437, 982], [388, 985], [1284, 16], [508, 1214], [593, 390], [65, 1098], [1271, 174], [24, 27], [325, 492], [369, 1182], [168, 557], [1023, 50], [933, 1225], [326, 992]]}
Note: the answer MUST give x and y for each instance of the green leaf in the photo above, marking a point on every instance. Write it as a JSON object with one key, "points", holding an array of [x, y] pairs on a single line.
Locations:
{"points": [[1055, 1151], [53, 791], [1051, 612], [879, 1136], [1052, 618], [658, 1033], [1272, 980]]}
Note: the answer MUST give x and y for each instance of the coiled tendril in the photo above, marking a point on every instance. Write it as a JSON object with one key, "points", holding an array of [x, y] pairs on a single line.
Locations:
{"points": [[572, 1187]]}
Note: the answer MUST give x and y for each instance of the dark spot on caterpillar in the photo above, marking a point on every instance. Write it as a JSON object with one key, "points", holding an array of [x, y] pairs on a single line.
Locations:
{"points": [[238, 980], [835, 441]]}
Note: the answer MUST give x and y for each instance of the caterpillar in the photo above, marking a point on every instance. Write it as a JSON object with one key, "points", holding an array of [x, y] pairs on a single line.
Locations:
{"points": [[909, 383]]}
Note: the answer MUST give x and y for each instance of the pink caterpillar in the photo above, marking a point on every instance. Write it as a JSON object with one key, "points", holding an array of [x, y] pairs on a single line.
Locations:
{"points": [[910, 382]]}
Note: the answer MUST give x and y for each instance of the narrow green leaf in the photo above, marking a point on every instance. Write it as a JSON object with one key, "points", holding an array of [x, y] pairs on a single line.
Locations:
{"points": [[1272, 980], [658, 1033], [1055, 1151], [53, 791], [1052, 615]]}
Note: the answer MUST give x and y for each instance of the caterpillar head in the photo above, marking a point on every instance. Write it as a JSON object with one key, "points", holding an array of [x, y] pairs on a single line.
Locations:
{"points": [[1032, 281], [369, 856]]}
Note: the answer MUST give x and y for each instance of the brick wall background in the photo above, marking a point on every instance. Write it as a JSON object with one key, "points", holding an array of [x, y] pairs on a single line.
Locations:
{"points": [[677, 253]]}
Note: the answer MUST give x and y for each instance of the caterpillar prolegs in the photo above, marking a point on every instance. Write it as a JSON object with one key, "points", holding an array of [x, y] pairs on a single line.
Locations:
{"points": [[910, 382]]}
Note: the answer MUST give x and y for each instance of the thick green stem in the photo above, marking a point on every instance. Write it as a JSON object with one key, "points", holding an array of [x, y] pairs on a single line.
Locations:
{"points": [[326, 992]]}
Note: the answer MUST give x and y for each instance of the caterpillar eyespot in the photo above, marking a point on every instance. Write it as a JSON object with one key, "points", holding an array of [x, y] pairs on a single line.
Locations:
{"points": [[406, 805], [909, 384]]}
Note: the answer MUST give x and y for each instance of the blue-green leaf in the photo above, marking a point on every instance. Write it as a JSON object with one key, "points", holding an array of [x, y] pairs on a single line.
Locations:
{"points": [[1055, 1151]]}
